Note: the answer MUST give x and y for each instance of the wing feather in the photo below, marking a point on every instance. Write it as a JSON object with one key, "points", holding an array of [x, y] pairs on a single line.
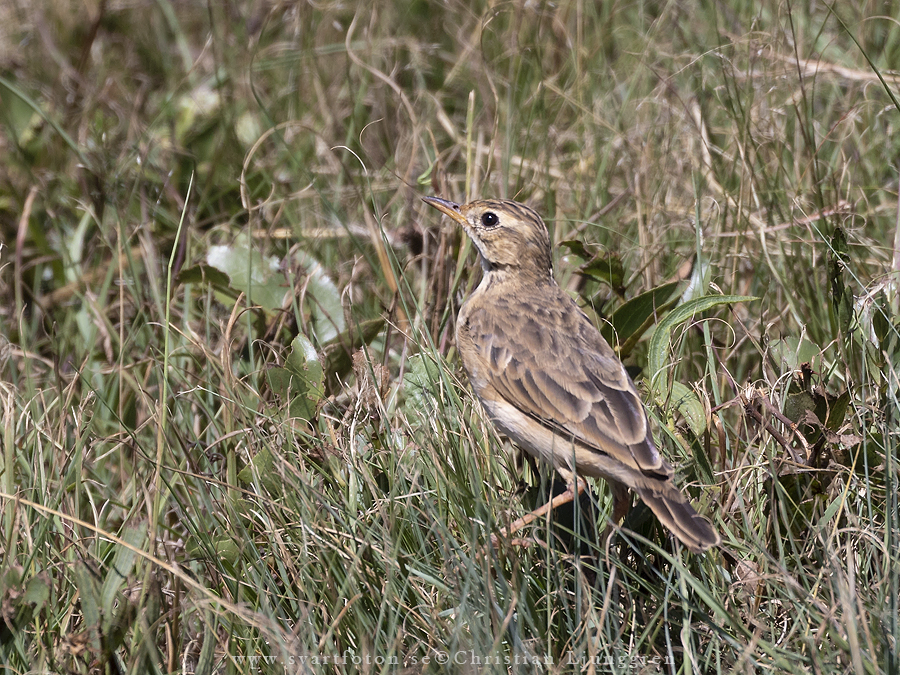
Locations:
{"points": [[560, 372]]}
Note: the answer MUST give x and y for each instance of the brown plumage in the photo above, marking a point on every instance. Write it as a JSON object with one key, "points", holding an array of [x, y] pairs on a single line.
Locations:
{"points": [[548, 379]]}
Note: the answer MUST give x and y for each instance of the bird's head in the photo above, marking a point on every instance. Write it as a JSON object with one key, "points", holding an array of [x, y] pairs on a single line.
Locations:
{"points": [[509, 236]]}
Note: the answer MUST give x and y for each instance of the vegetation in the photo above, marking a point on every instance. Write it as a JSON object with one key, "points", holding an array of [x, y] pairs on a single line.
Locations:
{"points": [[235, 433]]}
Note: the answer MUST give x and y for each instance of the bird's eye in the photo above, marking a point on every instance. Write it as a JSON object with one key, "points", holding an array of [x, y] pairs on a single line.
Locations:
{"points": [[490, 219]]}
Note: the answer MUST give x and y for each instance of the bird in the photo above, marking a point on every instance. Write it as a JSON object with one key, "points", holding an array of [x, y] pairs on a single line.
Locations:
{"points": [[547, 378]]}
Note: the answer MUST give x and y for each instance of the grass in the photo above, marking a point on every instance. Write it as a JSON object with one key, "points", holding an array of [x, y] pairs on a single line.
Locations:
{"points": [[236, 436]]}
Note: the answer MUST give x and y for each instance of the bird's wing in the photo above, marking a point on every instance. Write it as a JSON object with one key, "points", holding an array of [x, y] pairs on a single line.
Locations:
{"points": [[550, 362]]}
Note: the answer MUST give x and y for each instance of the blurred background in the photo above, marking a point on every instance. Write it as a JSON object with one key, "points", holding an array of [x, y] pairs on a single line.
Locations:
{"points": [[236, 436]]}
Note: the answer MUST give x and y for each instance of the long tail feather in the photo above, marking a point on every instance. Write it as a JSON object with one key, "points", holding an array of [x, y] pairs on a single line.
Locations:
{"points": [[676, 513]]}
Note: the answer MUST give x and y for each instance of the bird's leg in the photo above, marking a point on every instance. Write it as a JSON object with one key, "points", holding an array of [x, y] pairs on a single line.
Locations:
{"points": [[621, 502], [621, 507], [575, 487]]}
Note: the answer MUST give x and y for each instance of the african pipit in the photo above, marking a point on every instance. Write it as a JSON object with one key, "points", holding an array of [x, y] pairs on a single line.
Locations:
{"points": [[548, 379]]}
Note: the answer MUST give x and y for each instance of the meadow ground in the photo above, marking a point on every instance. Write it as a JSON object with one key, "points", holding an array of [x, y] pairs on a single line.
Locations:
{"points": [[235, 432]]}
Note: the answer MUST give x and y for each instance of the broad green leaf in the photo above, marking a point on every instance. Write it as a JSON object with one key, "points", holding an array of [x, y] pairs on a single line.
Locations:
{"points": [[791, 352], [280, 381], [37, 591], [263, 465], [250, 273], [15, 91], [421, 380], [630, 321], [701, 460], [203, 274], [89, 600], [194, 110], [303, 362], [699, 282], [797, 405], [874, 363], [881, 325], [301, 382], [606, 267], [324, 300], [337, 355], [22, 123], [828, 515], [687, 403], [837, 411], [577, 247], [11, 577], [659, 343], [222, 546], [122, 567]]}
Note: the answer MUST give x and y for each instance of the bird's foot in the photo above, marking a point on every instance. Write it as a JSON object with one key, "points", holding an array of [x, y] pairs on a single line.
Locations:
{"points": [[573, 491]]}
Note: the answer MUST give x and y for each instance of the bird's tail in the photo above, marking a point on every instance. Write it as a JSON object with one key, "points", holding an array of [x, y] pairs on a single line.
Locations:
{"points": [[675, 512]]}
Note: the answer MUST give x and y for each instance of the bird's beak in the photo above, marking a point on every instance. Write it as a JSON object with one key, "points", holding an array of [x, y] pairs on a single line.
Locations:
{"points": [[447, 208]]}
